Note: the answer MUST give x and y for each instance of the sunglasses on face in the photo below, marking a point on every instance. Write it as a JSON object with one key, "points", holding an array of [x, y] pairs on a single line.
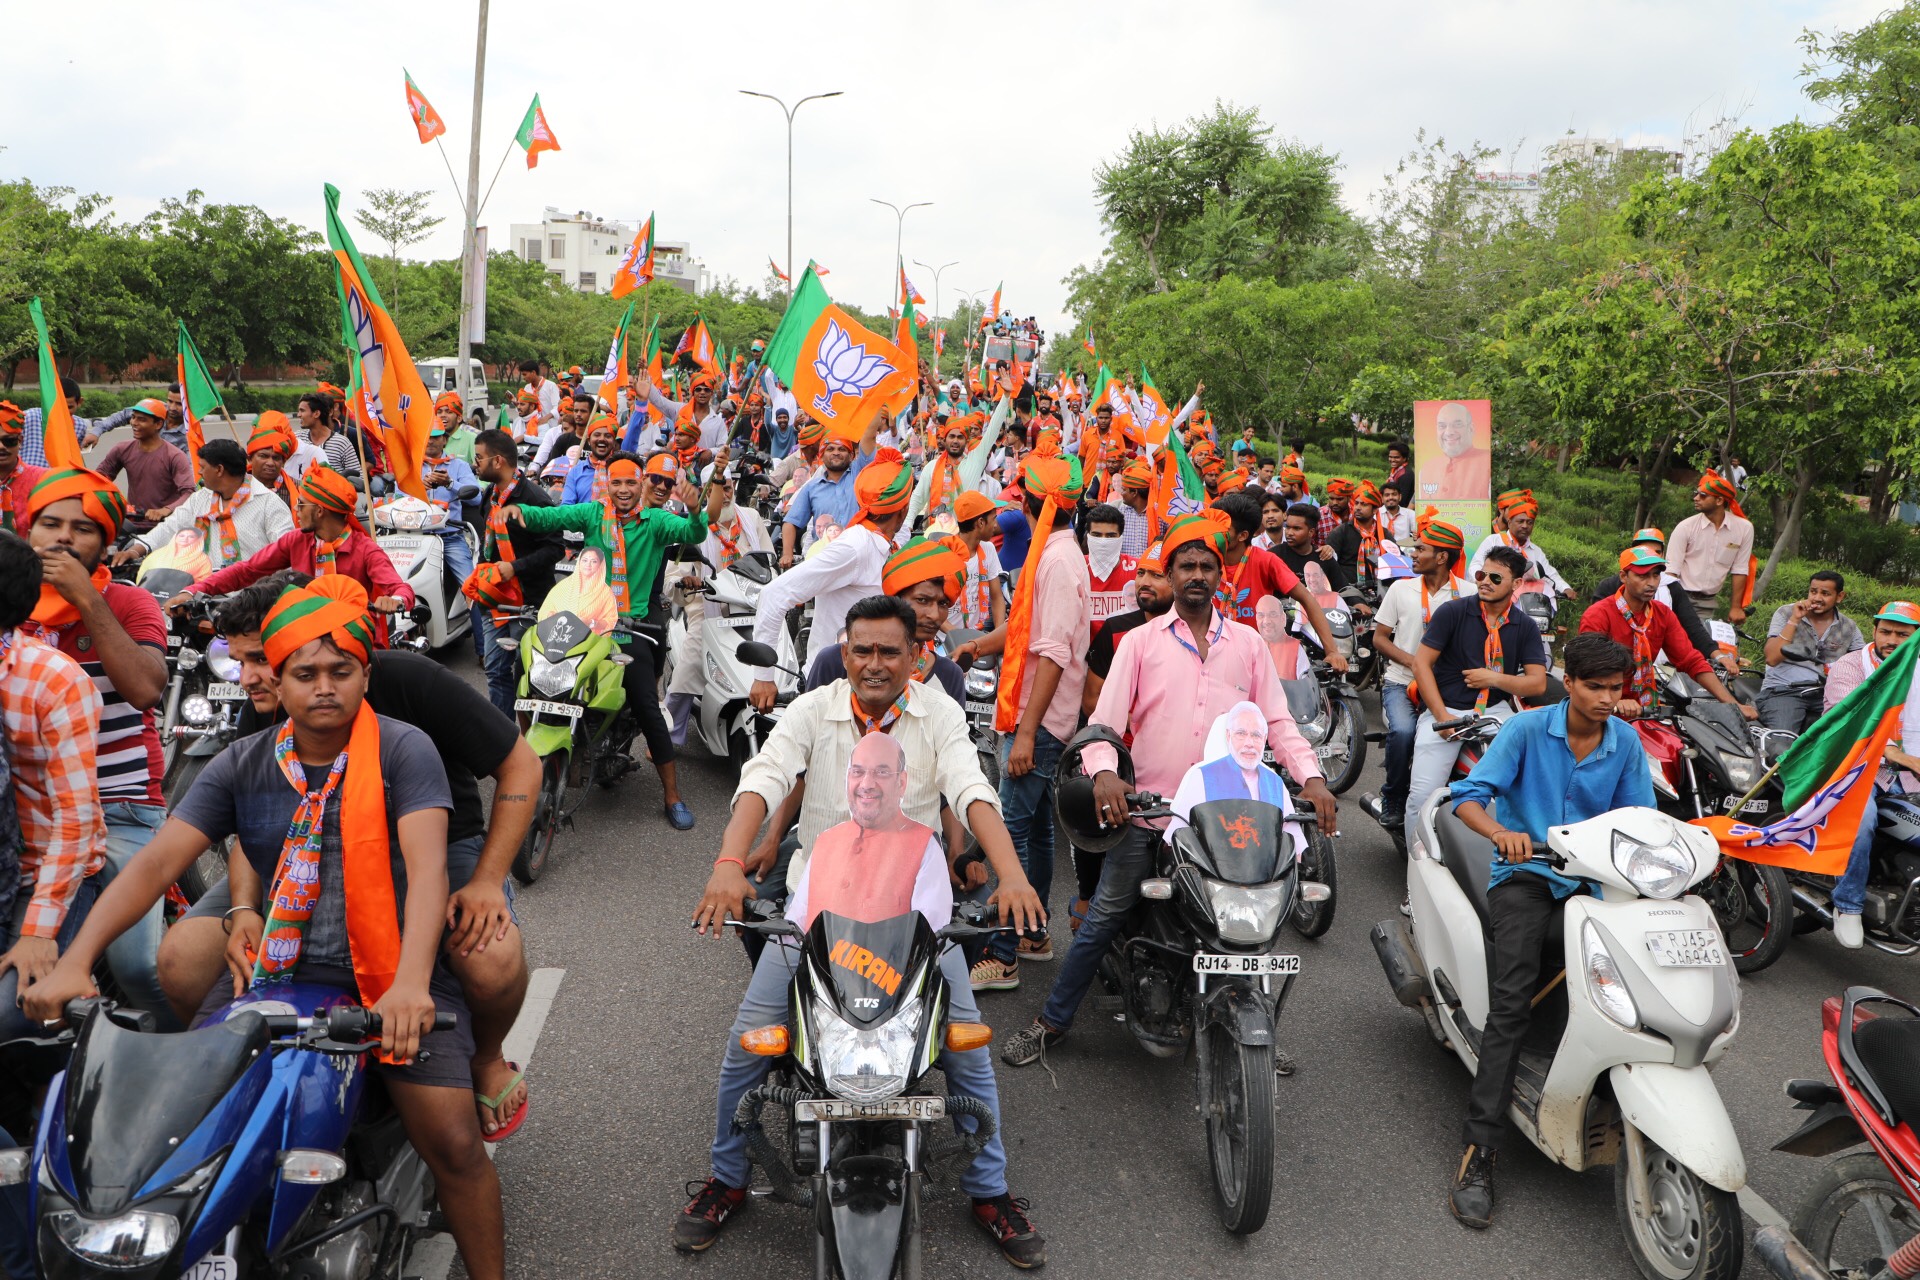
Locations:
{"points": [[1492, 579], [660, 482]]}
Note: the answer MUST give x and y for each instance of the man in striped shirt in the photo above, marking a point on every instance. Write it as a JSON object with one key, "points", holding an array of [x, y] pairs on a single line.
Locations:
{"points": [[118, 635], [51, 715]]}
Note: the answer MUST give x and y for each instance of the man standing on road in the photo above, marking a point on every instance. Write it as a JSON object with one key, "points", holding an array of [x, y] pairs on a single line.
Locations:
{"points": [[235, 514], [1713, 544], [1397, 630], [516, 564], [1170, 680], [982, 605], [1804, 640]]}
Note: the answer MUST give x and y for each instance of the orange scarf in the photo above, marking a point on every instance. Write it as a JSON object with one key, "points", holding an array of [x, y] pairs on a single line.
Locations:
{"points": [[220, 516], [1013, 663], [55, 612], [326, 553]]}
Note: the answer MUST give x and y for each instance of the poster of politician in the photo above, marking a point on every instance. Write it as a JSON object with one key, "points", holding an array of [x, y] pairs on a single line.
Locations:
{"points": [[1453, 463]]}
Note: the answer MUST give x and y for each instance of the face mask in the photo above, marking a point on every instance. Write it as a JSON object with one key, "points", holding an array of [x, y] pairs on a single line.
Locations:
{"points": [[1103, 554]]}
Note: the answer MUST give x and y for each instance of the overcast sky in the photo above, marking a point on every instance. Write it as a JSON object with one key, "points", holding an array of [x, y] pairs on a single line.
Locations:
{"points": [[997, 112]]}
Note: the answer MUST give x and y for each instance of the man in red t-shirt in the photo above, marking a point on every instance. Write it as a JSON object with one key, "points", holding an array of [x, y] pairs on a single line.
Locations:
{"points": [[118, 635], [1252, 574], [1633, 617], [1109, 573]]}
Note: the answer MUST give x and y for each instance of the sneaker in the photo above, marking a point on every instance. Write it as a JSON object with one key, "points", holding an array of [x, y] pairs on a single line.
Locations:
{"points": [[996, 975], [1005, 1220], [698, 1225], [1847, 931], [1030, 1044], [1472, 1196], [1040, 948]]}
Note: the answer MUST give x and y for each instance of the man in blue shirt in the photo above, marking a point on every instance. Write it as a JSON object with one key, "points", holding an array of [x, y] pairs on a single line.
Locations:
{"points": [[829, 493], [581, 478], [445, 476], [1557, 765]]}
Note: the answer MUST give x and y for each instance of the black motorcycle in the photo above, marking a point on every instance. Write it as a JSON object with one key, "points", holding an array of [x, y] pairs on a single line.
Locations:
{"points": [[869, 1018], [1195, 966], [983, 690]]}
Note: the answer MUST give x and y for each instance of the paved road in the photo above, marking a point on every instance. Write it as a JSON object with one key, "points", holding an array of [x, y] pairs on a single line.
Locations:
{"points": [[1112, 1155]]}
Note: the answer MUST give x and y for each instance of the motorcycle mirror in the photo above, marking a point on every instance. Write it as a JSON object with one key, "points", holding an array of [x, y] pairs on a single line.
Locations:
{"points": [[755, 654], [467, 492]]}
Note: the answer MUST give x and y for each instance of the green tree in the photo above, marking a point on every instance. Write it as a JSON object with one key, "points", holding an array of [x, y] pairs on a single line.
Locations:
{"points": [[400, 219]]}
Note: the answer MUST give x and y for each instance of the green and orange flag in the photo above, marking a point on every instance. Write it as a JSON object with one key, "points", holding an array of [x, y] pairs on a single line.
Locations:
{"points": [[840, 371], [426, 121], [1827, 774], [614, 376], [1177, 487], [199, 394], [57, 435], [387, 394], [636, 268], [536, 135]]}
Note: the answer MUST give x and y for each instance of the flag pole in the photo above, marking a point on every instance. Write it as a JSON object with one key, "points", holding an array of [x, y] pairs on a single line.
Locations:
{"points": [[449, 163], [496, 179]]}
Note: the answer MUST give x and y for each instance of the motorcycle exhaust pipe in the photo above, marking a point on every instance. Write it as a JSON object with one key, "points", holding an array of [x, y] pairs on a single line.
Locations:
{"points": [[1801, 898], [1785, 1257], [1394, 946]]}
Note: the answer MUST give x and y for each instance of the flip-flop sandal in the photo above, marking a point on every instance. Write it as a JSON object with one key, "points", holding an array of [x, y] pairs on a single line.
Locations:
{"points": [[512, 1126], [1077, 913]]}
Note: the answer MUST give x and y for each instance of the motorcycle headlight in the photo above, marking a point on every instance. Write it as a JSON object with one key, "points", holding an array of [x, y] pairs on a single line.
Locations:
{"points": [[980, 684], [1657, 871], [197, 711], [1603, 980], [1739, 767], [1248, 914], [553, 678], [716, 674], [120, 1243], [866, 1064], [222, 662], [187, 659]]}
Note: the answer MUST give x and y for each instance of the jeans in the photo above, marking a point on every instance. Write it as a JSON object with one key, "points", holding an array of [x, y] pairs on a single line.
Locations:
{"points": [[503, 665], [1790, 709], [457, 557], [1435, 756], [969, 1074], [1850, 894], [1402, 720], [1128, 863], [16, 1227], [13, 1022], [1521, 909], [1026, 804], [134, 956]]}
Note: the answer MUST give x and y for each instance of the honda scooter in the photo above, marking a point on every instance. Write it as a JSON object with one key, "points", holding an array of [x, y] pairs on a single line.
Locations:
{"points": [[727, 724], [1640, 998], [412, 533]]}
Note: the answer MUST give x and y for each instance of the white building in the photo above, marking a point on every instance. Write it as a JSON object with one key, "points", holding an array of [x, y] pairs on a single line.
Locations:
{"points": [[584, 250]]}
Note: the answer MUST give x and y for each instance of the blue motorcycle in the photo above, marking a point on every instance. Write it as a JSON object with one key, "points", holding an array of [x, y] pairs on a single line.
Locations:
{"points": [[250, 1147]]}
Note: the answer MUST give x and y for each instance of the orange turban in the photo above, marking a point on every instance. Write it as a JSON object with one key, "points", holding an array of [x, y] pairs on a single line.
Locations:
{"points": [[884, 485], [331, 606], [1339, 487], [99, 497], [1208, 527], [1232, 480], [1719, 486], [1367, 493], [271, 430], [813, 433], [1138, 474], [13, 422], [923, 560], [449, 400], [330, 491]]}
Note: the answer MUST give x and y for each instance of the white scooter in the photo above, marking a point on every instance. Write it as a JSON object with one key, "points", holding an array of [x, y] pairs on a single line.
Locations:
{"points": [[410, 531], [726, 723], [1648, 999]]}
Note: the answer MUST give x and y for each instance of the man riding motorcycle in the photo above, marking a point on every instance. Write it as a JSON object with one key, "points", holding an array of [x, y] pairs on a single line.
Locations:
{"points": [[233, 512]]}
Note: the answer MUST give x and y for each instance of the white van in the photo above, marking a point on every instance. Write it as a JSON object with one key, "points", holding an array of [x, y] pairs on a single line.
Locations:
{"points": [[442, 373]]}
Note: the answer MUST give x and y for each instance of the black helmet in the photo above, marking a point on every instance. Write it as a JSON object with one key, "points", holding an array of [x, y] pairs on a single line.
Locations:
{"points": [[1073, 804]]}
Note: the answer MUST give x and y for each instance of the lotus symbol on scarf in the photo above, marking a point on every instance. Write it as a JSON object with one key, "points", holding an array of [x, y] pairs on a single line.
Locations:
{"points": [[845, 368]]}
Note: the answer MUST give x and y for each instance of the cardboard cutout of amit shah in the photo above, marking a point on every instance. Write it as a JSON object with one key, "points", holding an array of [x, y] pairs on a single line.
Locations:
{"points": [[879, 863]]}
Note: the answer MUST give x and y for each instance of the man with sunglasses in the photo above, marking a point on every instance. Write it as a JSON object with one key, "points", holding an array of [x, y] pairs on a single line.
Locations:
{"points": [[17, 478], [1478, 656]]}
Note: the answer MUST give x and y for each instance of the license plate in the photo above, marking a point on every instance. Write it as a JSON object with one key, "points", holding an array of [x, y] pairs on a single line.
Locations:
{"points": [[1686, 948], [212, 1268], [223, 692], [565, 710], [892, 1109], [979, 708], [1752, 806], [1245, 966]]}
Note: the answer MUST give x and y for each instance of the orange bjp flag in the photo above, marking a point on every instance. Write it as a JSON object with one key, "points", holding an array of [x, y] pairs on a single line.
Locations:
{"points": [[426, 120], [57, 436]]}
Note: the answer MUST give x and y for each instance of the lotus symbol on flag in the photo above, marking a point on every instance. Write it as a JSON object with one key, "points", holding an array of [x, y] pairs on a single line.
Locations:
{"points": [[845, 368]]}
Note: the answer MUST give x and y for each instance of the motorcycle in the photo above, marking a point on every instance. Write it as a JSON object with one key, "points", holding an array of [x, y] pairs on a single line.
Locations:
{"points": [[1614, 1070], [1327, 710], [864, 1134], [250, 1146], [1862, 1216], [1535, 601], [727, 724], [1224, 886], [1705, 761], [983, 691], [411, 532]]}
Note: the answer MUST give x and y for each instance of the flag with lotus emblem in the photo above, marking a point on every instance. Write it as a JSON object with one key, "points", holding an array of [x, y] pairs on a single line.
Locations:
{"points": [[840, 371]]}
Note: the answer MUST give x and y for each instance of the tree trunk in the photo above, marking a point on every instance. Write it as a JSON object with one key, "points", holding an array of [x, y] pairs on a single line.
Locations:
{"points": [[1566, 454], [1650, 474], [1877, 492], [1787, 541]]}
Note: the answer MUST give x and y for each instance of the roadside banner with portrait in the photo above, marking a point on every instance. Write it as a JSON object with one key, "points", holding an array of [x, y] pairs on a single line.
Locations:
{"points": [[1453, 463]]}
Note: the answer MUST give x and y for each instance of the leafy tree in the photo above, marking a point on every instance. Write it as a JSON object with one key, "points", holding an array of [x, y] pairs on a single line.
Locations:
{"points": [[400, 219]]}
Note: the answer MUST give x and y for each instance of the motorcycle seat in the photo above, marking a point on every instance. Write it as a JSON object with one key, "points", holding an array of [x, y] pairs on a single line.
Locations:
{"points": [[1468, 855], [1889, 1048]]}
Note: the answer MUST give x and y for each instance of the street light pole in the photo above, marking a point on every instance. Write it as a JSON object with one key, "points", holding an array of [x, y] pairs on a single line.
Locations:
{"points": [[936, 295], [967, 354], [467, 300], [791, 112], [899, 222]]}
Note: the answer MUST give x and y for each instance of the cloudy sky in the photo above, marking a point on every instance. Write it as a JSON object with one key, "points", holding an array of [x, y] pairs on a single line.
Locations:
{"points": [[997, 112]]}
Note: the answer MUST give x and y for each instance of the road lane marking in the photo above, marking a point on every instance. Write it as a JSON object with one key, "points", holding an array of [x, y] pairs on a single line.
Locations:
{"points": [[1755, 1206]]}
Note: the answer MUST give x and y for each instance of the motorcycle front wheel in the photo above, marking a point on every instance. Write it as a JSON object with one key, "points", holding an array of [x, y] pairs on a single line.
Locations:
{"points": [[1239, 1114], [1693, 1231], [1345, 752], [1855, 1213], [1753, 903], [1311, 919], [537, 845]]}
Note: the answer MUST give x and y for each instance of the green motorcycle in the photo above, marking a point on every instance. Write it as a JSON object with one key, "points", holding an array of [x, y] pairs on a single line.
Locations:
{"points": [[574, 709]]}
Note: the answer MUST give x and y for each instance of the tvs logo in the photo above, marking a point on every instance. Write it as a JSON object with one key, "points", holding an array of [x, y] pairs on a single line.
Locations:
{"points": [[1240, 832]]}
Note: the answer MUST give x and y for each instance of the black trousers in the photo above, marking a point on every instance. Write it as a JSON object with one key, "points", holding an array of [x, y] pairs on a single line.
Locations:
{"points": [[1522, 910], [642, 683]]}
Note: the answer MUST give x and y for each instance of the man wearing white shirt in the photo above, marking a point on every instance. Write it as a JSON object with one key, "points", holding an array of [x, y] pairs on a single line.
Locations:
{"points": [[546, 391], [1519, 536], [235, 514], [846, 569], [713, 427], [733, 533]]}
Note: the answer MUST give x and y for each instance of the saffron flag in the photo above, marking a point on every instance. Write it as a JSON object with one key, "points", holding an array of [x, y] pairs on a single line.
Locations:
{"points": [[993, 308], [57, 436], [1826, 776], [536, 135], [1176, 489], [1087, 344], [199, 395], [907, 292], [841, 372], [1154, 408], [939, 342], [636, 268], [778, 274], [699, 345], [614, 376], [390, 398], [426, 120]]}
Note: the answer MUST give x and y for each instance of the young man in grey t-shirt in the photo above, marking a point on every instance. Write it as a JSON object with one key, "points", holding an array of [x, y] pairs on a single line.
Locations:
{"points": [[1803, 640]]}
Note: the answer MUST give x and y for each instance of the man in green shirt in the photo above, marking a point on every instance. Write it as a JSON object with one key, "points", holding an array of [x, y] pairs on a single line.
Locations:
{"points": [[636, 512], [460, 437]]}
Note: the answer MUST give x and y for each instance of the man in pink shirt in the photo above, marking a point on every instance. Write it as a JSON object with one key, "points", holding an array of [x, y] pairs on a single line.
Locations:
{"points": [[1170, 680]]}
